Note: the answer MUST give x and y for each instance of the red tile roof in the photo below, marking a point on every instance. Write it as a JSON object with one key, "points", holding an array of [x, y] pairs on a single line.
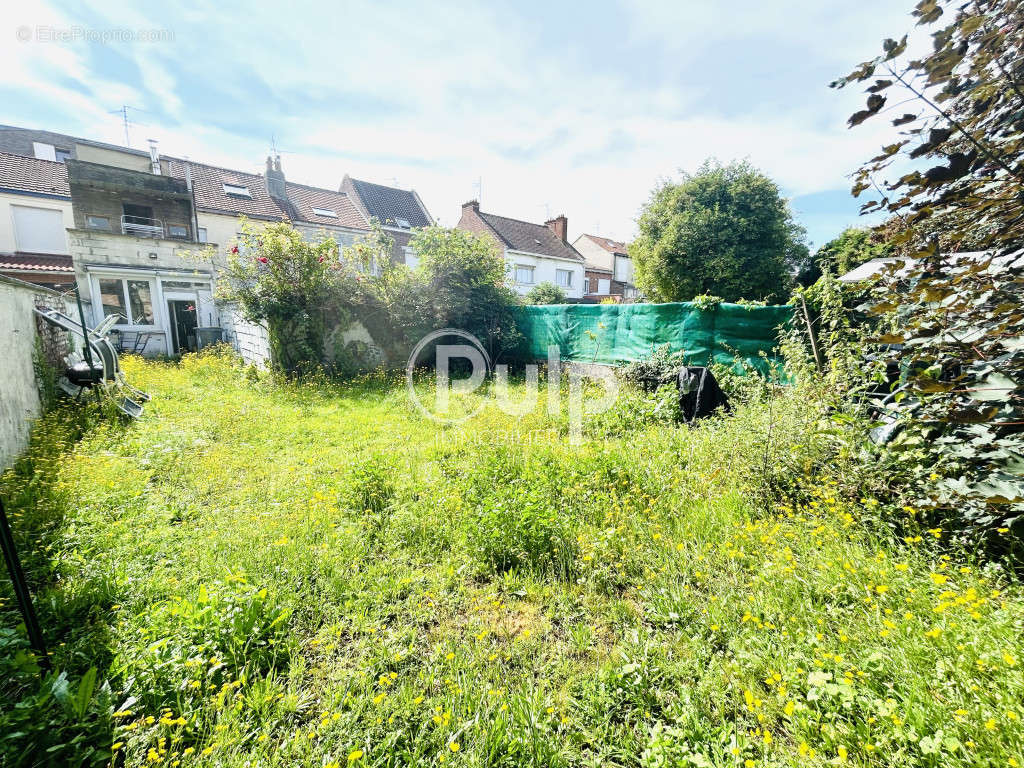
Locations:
{"points": [[208, 183], [35, 262], [612, 246], [28, 174]]}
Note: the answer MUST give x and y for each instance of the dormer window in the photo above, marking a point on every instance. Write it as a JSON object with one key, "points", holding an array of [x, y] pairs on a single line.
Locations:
{"points": [[236, 189], [327, 212]]}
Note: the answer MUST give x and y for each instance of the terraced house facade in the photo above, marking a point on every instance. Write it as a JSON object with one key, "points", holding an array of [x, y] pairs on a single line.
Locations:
{"points": [[143, 235]]}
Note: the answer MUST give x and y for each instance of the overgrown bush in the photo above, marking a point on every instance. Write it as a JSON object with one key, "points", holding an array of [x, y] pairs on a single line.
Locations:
{"points": [[545, 293], [659, 369], [954, 327], [279, 277]]}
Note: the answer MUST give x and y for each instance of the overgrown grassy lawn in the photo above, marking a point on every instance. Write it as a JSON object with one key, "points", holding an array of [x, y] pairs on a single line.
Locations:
{"points": [[318, 575]]}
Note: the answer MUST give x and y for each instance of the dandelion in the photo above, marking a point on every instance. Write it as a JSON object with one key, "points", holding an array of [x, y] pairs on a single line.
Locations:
{"points": [[354, 755], [454, 746]]}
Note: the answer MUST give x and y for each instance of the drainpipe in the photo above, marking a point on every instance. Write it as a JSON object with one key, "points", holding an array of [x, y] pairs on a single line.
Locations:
{"points": [[192, 192]]}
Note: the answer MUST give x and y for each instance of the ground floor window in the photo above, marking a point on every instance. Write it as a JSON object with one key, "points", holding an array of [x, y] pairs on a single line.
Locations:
{"points": [[131, 299], [524, 274], [563, 277]]}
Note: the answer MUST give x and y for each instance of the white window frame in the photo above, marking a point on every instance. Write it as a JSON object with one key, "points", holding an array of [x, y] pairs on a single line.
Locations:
{"points": [[325, 212], [238, 190], [586, 285], [201, 235], [531, 269], [125, 296], [568, 278]]}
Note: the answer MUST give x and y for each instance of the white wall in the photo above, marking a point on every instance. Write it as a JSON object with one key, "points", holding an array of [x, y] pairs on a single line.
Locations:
{"points": [[544, 271], [19, 394], [250, 340], [594, 254], [624, 269], [8, 242]]}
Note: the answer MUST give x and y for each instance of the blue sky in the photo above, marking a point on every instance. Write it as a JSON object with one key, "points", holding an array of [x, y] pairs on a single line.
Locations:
{"points": [[575, 108]]}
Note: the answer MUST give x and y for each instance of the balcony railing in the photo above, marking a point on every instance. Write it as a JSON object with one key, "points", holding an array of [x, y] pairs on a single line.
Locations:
{"points": [[140, 226]]}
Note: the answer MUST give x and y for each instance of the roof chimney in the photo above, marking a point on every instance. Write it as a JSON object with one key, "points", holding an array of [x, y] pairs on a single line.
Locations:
{"points": [[560, 226], [473, 204], [154, 158], [275, 179]]}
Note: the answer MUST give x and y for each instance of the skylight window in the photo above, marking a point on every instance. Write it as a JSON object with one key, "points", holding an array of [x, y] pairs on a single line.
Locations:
{"points": [[325, 212], [236, 189], [402, 223]]}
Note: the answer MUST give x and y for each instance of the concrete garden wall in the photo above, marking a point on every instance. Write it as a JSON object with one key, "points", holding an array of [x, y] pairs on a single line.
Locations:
{"points": [[20, 403]]}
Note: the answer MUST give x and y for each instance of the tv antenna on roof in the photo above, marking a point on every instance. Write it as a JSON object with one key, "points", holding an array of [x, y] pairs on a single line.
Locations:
{"points": [[547, 209], [123, 112], [478, 185]]}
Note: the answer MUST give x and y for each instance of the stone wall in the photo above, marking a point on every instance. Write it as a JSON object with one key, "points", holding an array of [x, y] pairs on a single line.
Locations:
{"points": [[20, 402]]}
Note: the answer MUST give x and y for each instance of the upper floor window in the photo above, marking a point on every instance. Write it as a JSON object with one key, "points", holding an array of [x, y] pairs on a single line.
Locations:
{"points": [[39, 230], [177, 230], [97, 222], [237, 189], [524, 274]]}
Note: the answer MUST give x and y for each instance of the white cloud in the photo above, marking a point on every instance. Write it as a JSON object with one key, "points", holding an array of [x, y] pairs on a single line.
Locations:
{"points": [[483, 94]]}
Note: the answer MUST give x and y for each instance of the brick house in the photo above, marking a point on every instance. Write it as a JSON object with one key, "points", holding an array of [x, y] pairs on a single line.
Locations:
{"points": [[609, 268], [534, 253]]}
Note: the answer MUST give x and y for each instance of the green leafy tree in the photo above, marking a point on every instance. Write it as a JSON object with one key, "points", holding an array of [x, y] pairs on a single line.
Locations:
{"points": [[463, 286], [724, 230], [961, 128], [852, 248], [545, 293], [279, 278]]}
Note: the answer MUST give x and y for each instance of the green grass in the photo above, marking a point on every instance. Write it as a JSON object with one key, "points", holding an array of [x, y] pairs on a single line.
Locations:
{"points": [[310, 575]]}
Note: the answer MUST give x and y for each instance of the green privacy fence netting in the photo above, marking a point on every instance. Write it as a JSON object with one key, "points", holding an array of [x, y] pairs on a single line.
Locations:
{"points": [[620, 333]]}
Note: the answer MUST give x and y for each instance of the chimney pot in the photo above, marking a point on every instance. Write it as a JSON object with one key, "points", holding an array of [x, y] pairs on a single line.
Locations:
{"points": [[474, 204], [275, 179], [560, 226]]}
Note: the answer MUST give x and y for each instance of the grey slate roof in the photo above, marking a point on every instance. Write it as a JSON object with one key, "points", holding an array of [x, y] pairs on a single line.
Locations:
{"points": [[27, 174], [388, 204], [532, 238]]}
